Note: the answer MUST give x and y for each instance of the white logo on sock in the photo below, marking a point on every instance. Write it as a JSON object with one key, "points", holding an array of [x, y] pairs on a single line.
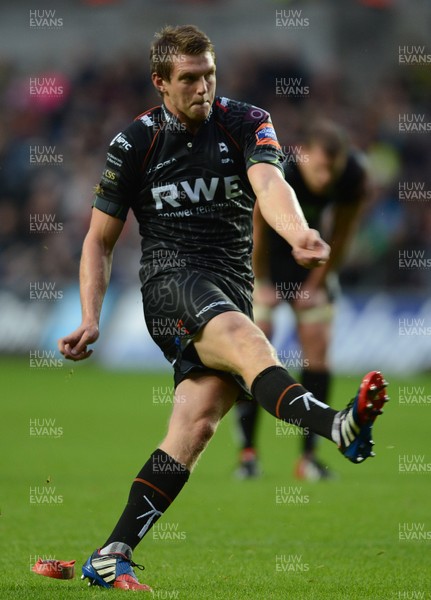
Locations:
{"points": [[151, 514], [307, 398]]}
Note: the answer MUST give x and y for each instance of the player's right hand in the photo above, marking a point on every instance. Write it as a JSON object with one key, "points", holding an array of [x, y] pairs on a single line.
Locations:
{"points": [[74, 346], [310, 250]]}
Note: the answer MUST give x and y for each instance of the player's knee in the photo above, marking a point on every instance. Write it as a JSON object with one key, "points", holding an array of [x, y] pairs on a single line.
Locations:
{"points": [[243, 333]]}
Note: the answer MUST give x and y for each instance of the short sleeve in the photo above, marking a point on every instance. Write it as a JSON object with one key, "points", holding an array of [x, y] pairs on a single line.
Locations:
{"points": [[260, 139], [120, 178]]}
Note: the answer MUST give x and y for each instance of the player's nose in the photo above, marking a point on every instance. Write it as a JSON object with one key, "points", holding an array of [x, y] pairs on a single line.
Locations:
{"points": [[202, 86], [323, 178]]}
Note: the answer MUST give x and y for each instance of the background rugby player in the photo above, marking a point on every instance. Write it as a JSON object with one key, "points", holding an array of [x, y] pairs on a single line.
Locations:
{"points": [[329, 179]]}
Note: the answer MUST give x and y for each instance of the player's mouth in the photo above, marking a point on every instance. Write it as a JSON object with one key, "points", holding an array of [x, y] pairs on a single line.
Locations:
{"points": [[204, 103]]}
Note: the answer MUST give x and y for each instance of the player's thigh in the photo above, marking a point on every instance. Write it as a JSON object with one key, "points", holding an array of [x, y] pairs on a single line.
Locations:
{"points": [[179, 304], [232, 342]]}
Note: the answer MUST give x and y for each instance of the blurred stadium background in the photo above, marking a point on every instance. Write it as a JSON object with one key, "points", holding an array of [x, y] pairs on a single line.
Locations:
{"points": [[355, 57]]}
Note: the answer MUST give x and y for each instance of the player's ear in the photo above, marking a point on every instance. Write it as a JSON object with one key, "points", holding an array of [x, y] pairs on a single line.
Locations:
{"points": [[159, 83]]}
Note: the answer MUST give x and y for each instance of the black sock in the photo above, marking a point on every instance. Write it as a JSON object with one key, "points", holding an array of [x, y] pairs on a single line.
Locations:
{"points": [[288, 400], [156, 486], [318, 383], [247, 414]]}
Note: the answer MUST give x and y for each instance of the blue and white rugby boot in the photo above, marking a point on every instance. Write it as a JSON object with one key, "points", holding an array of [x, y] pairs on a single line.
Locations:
{"points": [[112, 567], [353, 425]]}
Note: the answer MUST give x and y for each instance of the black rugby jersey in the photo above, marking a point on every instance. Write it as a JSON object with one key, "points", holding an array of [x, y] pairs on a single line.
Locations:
{"points": [[190, 193], [348, 188]]}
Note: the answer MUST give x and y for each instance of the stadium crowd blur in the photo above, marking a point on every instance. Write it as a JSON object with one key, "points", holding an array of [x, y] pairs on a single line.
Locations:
{"points": [[99, 99]]}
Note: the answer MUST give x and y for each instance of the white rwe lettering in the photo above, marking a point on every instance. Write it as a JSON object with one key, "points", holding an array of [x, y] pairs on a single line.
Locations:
{"points": [[200, 186], [171, 194], [168, 193]]}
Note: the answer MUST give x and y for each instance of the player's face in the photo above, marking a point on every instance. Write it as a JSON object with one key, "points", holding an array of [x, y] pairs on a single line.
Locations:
{"points": [[190, 92], [320, 171]]}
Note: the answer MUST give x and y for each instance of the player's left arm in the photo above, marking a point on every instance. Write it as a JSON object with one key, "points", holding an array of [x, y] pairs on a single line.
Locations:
{"points": [[281, 210], [345, 218], [314, 286]]}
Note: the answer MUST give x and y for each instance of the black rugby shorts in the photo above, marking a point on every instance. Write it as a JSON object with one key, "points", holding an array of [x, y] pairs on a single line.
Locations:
{"points": [[177, 304]]}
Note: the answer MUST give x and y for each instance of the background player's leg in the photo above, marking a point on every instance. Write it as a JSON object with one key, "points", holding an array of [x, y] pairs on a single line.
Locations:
{"points": [[247, 413], [247, 417], [314, 338]]}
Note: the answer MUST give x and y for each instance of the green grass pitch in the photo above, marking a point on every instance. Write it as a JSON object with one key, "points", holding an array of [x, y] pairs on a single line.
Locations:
{"points": [[364, 535]]}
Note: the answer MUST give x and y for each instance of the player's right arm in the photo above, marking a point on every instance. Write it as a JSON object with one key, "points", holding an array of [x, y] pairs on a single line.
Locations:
{"points": [[117, 188], [94, 276]]}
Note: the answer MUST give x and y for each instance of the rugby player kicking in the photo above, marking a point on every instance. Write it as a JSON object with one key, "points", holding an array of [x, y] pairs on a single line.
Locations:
{"points": [[190, 170]]}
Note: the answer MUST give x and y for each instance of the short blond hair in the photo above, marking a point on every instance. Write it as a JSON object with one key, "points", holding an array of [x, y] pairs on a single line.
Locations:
{"points": [[173, 41]]}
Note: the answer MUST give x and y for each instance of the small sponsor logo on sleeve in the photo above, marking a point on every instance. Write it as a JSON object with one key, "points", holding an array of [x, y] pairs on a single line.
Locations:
{"points": [[110, 178], [121, 141], [265, 135], [147, 120]]}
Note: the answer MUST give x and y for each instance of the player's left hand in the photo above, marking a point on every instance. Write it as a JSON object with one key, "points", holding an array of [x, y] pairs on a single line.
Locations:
{"points": [[310, 250]]}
